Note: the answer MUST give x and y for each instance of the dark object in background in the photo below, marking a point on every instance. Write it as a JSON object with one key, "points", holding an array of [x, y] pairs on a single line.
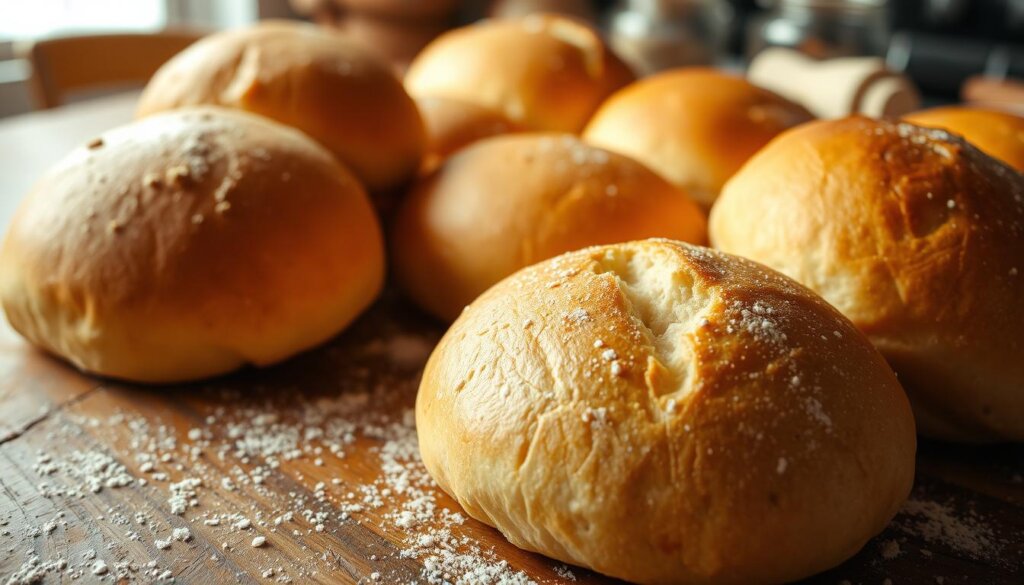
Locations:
{"points": [[940, 65], [992, 20], [943, 43]]}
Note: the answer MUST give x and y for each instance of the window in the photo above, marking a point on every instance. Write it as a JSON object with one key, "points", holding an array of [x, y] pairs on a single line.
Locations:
{"points": [[21, 19]]}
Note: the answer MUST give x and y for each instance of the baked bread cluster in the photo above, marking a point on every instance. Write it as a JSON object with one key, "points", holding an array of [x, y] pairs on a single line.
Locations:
{"points": [[611, 393]]}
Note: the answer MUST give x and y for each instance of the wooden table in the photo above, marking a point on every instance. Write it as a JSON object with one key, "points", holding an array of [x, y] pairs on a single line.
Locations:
{"points": [[317, 456]]}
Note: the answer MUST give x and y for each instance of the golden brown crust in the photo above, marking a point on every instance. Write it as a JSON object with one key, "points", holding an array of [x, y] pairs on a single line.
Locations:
{"points": [[664, 413], [453, 124], [997, 134], [188, 244], [545, 72], [509, 201], [694, 126], [916, 236], [308, 78]]}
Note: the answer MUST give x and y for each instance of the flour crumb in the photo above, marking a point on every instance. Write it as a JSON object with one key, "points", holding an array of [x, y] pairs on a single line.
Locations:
{"points": [[781, 466], [890, 550], [565, 572]]}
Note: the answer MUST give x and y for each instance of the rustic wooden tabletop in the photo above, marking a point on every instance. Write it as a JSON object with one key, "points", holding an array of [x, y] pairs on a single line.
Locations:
{"points": [[309, 471]]}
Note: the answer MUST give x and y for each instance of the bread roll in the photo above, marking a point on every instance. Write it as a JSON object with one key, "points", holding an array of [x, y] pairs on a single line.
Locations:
{"points": [[306, 77], [453, 124], [695, 126], [545, 72], [664, 413], [189, 244], [506, 202], [916, 236], [998, 134]]}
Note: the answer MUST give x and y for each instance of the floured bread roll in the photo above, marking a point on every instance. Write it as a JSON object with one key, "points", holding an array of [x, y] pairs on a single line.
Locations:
{"points": [[189, 244], [664, 413], [918, 238]]}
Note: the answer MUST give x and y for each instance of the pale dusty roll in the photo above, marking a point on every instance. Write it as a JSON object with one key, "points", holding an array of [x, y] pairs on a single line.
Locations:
{"points": [[307, 77], [509, 201], [998, 134], [664, 413], [545, 72], [694, 126], [454, 124], [915, 235], [189, 244]]}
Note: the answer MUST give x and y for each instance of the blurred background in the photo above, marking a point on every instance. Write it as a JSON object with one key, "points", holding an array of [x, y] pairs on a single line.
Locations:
{"points": [[56, 51]]}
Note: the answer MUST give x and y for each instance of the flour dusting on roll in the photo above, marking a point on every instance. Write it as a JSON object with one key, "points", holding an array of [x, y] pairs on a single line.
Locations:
{"points": [[918, 238], [998, 134], [188, 244]]}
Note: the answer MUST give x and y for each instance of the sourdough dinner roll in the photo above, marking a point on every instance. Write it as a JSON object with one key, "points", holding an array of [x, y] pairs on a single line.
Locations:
{"points": [[453, 124], [695, 126], [509, 201], [664, 413], [307, 77], [916, 236], [998, 134], [188, 244], [545, 72]]}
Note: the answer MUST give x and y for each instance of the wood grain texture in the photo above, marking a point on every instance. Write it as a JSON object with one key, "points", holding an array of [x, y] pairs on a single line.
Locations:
{"points": [[52, 412]]}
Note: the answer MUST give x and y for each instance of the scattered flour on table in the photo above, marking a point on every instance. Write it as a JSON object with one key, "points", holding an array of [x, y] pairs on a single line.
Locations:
{"points": [[939, 524], [255, 446]]}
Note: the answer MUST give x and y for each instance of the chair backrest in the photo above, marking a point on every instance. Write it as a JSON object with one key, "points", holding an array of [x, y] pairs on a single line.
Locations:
{"points": [[61, 66]]}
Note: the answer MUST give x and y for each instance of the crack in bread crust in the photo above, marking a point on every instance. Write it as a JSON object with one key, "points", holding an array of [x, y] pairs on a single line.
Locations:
{"points": [[667, 305]]}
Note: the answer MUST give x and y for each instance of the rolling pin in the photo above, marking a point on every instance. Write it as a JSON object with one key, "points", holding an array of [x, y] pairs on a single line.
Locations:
{"points": [[835, 88]]}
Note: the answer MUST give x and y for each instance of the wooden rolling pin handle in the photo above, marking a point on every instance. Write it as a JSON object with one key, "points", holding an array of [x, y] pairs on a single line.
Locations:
{"points": [[836, 87]]}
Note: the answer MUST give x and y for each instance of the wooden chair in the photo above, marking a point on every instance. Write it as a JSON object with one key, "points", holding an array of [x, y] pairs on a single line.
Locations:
{"points": [[63, 66]]}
